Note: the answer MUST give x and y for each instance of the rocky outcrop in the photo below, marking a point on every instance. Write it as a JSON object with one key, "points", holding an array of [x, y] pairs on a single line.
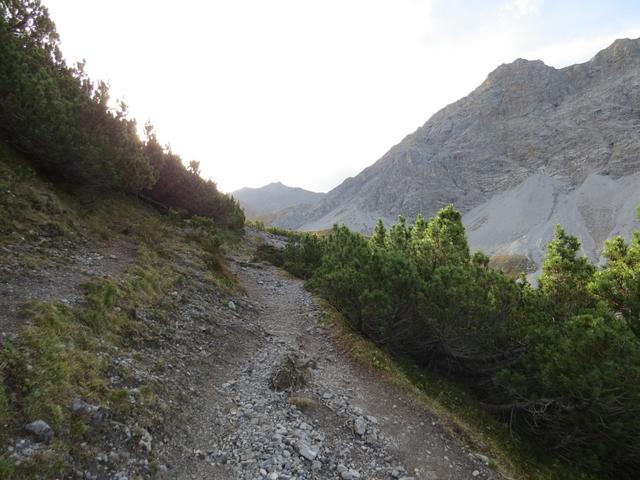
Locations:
{"points": [[526, 122]]}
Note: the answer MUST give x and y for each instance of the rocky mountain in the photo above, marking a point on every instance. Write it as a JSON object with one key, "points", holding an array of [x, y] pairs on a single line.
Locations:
{"points": [[272, 198], [532, 146]]}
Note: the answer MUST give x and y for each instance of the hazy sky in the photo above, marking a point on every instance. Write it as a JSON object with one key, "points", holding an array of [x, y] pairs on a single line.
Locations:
{"points": [[310, 92]]}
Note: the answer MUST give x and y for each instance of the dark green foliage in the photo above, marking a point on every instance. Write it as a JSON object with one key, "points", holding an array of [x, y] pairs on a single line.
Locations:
{"points": [[270, 254], [61, 120], [618, 285], [303, 255], [55, 114], [379, 237], [565, 277], [577, 387], [184, 188], [560, 362], [6, 470]]}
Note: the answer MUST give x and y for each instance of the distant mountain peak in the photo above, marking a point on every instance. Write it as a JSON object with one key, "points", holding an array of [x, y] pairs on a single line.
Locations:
{"points": [[620, 50], [571, 126], [521, 74], [521, 64], [272, 198]]}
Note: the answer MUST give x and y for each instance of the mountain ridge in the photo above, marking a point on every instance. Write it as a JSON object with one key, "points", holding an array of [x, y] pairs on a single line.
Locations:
{"points": [[273, 197], [525, 119]]}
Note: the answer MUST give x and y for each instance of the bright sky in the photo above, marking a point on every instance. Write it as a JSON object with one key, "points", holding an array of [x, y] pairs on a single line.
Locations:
{"points": [[310, 92]]}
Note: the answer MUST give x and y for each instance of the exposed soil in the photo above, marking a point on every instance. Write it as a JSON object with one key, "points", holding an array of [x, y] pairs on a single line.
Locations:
{"points": [[61, 270]]}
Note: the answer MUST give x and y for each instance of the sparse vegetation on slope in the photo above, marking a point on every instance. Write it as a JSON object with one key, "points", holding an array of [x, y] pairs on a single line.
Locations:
{"points": [[71, 167], [54, 354]]}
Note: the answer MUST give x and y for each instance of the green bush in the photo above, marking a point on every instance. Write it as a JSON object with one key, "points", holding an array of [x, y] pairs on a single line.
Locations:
{"points": [[560, 362], [62, 121], [303, 254], [270, 254]]}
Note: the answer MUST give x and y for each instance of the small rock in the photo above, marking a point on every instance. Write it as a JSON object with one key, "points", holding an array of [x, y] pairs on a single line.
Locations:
{"points": [[232, 305], [92, 411], [40, 430], [350, 474], [360, 426], [145, 440], [306, 451], [475, 473]]}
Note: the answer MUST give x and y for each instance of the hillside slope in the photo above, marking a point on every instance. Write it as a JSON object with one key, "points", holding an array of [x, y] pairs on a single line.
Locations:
{"points": [[526, 122], [129, 349], [274, 197]]}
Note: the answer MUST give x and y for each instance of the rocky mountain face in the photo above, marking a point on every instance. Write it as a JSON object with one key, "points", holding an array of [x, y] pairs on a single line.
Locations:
{"points": [[530, 147], [272, 198]]}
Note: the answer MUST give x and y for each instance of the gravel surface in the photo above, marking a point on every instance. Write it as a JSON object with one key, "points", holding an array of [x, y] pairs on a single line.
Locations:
{"points": [[213, 361], [345, 423]]}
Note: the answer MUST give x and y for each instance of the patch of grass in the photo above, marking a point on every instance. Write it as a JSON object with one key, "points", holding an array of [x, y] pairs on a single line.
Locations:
{"points": [[64, 353], [203, 233], [462, 416], [50, 363], [4, 410], [6, 469], [303, 403], [29, 208], [146, 281]]}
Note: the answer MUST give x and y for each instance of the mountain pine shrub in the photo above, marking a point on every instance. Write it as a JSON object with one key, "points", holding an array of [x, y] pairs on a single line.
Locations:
{"points": [[559, 362]]}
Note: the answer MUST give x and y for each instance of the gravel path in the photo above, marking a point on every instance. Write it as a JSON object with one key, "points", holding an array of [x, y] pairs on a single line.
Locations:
{"points": [[345, 423]]}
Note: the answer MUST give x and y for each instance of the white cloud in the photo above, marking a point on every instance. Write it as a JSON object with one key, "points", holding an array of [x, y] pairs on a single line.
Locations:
{"points": [[522, 8]]}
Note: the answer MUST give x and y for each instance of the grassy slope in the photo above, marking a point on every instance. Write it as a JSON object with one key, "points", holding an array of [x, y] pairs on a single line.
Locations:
{"points": [[66, 353]]}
